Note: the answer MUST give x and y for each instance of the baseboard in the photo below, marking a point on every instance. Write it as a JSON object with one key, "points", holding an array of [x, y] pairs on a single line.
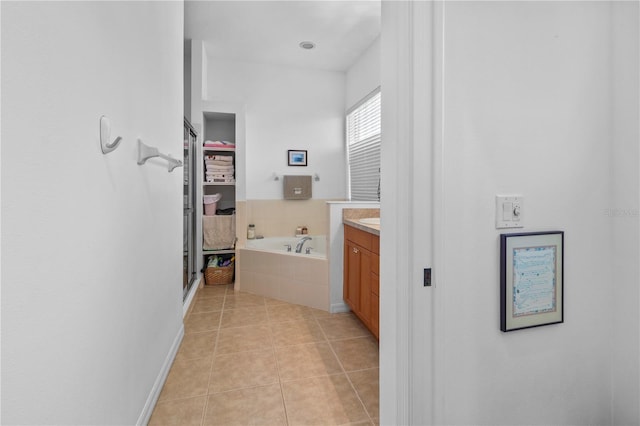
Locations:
{"points": [[145, 416], [336, 308]]}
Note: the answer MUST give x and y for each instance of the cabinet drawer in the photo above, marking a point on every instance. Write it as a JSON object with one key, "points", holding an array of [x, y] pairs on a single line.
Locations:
{"points": [[361, 238]]}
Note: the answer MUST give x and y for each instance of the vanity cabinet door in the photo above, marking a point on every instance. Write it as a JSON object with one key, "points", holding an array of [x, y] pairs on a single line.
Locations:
{"points": [[352, 275], [365, 287], [375, 295], [361, 280]]}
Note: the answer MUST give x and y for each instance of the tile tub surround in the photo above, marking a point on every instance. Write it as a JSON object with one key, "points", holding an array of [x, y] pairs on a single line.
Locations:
{"points": [[279, 218], [292, 278], [264, 361]]}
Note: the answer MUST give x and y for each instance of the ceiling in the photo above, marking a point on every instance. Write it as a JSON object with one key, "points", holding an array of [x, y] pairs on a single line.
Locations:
{"points": [[270, 31]]}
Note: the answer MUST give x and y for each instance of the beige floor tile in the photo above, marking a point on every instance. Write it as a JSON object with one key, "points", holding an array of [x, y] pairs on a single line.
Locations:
{"points": [[215, 290], [179, 412], [254, 406], [197, 345], [342, 326], [270, 301], [320, 314], [367, 386], [288, 312], [244, 316], [187, 377], [357, 354], [208, 304], [243, 300], [242, 339], [243, 370], [308, 360], [205, 321], [296, 332], [322, 401]]}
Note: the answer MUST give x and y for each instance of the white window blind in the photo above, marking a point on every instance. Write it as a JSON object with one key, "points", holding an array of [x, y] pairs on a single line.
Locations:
{"points": [[363, 149]]}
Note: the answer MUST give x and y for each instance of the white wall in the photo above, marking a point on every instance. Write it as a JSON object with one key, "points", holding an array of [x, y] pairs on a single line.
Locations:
{"points": [[527, 102], [527, 109], [286, 108], [91, 243], [537, 98], [364, 75], [622, 212]]}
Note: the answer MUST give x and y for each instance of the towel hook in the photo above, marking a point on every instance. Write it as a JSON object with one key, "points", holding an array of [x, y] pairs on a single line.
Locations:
{"points": [[105, 136]]}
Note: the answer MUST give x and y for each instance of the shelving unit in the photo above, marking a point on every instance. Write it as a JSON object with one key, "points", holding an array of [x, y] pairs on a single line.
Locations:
{"points": [[219, 127]]}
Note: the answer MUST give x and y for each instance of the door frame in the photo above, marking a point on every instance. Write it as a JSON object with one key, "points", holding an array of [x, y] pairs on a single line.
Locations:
{"points": [[411, 343]]}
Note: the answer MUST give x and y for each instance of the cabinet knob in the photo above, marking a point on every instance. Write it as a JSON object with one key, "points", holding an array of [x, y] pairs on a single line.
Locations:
{"points": [[355, 250]]}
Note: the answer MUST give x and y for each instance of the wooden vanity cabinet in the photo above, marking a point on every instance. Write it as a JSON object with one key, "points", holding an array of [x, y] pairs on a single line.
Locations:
{"points": [[361, 275]]}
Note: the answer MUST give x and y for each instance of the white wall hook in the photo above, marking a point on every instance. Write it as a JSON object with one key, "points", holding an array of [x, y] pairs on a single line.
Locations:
{"points": [[105, 136], [145, 152]]}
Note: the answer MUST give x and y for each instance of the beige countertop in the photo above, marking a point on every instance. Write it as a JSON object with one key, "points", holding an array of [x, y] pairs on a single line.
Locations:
{"points": [[372, 229]]}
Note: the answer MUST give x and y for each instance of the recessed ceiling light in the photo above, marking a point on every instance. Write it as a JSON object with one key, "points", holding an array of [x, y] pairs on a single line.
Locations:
{"points": [[308, 45]]}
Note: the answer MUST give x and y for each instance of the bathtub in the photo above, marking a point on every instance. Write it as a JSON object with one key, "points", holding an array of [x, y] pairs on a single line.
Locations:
{"points": [[266, 268], [318, 244]]}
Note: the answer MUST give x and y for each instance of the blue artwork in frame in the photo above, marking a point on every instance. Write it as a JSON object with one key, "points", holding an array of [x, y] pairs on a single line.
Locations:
{"points": [[297, 157]]}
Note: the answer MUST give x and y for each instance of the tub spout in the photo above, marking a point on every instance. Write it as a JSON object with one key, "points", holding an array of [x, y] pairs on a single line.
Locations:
{"points": [[301, 243]]}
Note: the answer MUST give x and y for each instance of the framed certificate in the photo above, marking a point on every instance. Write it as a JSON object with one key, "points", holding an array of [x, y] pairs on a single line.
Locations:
{"points": [[531, 280]]}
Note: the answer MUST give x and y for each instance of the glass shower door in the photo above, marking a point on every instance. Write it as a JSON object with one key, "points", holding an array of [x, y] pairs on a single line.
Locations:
{"points": [[188, 249]]}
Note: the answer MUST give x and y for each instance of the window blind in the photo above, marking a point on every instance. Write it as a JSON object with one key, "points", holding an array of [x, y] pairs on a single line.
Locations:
{"points": [[363, 149]]}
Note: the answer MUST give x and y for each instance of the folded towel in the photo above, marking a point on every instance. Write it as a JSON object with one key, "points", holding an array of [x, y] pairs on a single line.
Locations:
{"points": [[220, 168], [220, 176], [219, 171], [219, 144], [216, 180], [218, 163], [219, 232]]}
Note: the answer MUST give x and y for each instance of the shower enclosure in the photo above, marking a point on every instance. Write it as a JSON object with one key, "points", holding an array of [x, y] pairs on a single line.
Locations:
{"points": [[189, 196]]}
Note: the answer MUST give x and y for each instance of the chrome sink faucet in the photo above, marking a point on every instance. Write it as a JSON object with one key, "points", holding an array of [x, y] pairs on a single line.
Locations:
{"points": [[301, 243]]}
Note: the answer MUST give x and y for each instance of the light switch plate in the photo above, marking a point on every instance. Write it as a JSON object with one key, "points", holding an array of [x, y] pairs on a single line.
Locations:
{"points": [[509, 209]]}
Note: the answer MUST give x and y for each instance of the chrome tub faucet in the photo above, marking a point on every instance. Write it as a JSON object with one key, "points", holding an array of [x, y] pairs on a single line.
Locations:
{"points": [[301, 243]]}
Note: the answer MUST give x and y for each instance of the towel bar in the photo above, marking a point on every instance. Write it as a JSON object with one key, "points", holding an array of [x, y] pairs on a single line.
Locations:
{"points": [[145, 152]]}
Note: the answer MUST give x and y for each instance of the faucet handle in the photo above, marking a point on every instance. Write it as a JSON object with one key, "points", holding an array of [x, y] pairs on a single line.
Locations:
{"points": [[288, 246], [308, 250]]}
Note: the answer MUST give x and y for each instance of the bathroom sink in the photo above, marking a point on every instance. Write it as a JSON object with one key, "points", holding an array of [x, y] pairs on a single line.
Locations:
{"points": [[370, 221]]}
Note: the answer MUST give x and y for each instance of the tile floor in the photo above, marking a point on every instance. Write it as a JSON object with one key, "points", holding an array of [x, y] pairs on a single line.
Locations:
{"points": [[251, 360]]}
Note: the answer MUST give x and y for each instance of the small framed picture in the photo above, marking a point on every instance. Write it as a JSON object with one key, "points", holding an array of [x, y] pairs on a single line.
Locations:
{"points": [[297, 157], [531, 279]]}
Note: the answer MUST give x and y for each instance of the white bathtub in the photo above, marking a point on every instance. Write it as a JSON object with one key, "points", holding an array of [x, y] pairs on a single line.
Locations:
{"points": [[318, 245], [266, 268]]}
